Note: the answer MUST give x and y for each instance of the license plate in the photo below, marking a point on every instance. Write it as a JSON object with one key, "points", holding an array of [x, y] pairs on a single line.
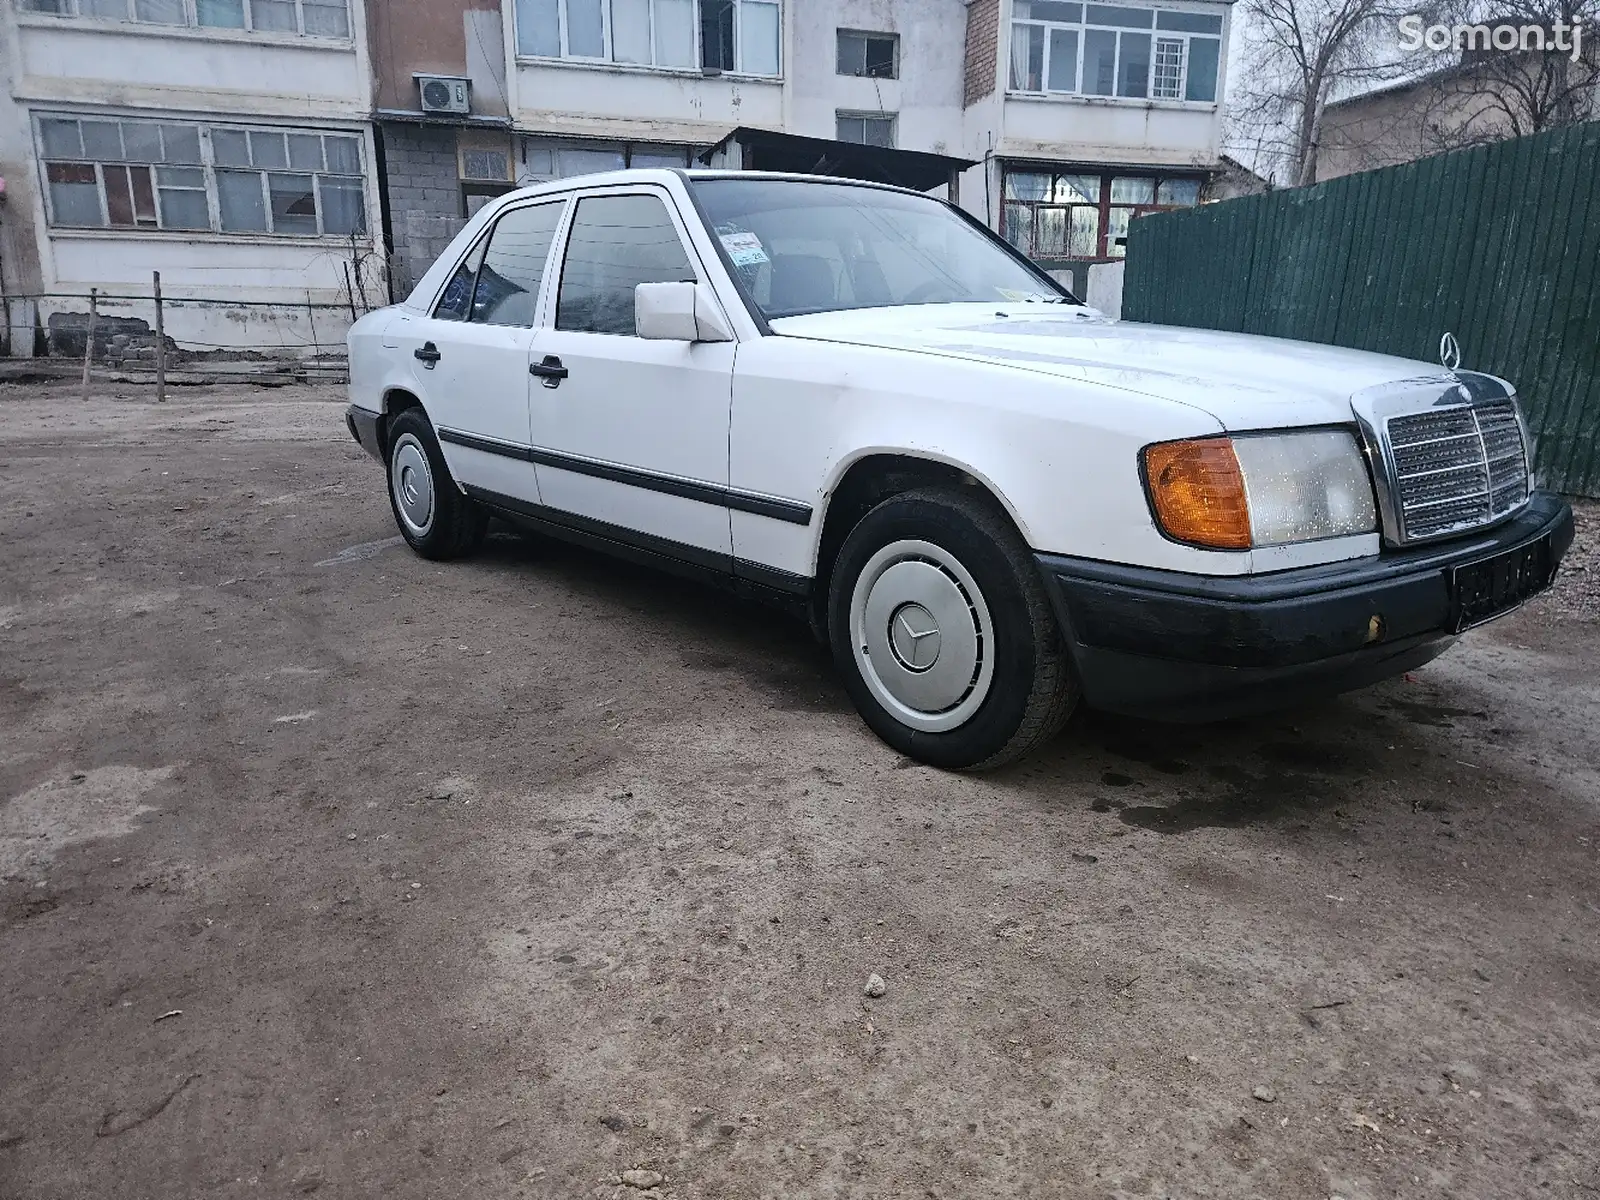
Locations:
{"points": [[1482, 591]]}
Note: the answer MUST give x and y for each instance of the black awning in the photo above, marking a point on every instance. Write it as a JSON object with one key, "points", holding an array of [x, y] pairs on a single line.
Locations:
{"points": [[766, 150]]}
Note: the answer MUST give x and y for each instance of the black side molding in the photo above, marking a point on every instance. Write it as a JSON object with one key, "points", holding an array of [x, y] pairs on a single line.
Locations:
{"points": [[791, 511]]}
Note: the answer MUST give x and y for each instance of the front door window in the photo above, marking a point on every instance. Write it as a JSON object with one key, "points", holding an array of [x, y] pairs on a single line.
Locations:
{"points": [[617, 243]]}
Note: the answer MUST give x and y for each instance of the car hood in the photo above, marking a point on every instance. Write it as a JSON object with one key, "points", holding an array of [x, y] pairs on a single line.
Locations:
{"points": [[1244, 380]]}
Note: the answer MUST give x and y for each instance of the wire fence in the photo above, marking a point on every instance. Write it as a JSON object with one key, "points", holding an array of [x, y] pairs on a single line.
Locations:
{"points": [[183, 338]]}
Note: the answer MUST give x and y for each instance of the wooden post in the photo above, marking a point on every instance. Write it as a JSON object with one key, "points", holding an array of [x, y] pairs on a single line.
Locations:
{"points": [[161, 345], [953, 187], [350, 293], [88, 339]]}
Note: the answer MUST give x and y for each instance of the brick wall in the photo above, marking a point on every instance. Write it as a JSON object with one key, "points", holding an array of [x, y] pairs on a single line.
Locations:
{"points": [[423, 184], [983, 32]]}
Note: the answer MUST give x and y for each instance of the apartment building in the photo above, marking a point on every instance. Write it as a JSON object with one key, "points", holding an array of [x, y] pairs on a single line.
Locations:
{"points": [[286, 159], [1057, 122], [226, 144]]}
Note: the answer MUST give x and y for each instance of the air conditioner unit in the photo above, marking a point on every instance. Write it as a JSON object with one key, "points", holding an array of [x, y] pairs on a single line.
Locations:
{"points": [[444, 94]]}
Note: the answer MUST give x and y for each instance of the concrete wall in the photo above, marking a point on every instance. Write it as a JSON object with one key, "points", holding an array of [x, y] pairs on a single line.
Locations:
{"points": [[1401, 124], [1105, 287], [1113, 131], [1446, 111], [192, 70], [464, 38], [926, 99], [643, 104], [424, 197]]}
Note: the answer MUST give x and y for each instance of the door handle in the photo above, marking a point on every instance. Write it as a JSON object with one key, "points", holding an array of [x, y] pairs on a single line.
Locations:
{"points": [[427, 354], [550, 371]]}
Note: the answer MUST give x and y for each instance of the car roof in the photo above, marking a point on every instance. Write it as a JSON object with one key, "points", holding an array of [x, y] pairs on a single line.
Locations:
{"points": [[667, 174]]}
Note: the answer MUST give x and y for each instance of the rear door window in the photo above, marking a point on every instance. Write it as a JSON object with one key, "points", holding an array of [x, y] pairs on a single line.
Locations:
{"points": [[508, 282], [498, 282]]}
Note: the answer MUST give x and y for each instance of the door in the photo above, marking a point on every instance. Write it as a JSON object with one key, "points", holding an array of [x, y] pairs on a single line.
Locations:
{"points": [[629, 433], [473, 364]]}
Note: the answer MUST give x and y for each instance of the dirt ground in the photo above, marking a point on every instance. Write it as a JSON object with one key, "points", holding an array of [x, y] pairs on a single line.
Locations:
{"points": [[328, 870]]}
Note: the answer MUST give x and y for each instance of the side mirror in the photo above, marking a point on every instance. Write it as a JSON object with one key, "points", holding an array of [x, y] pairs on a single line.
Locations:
{"points": [[678, 312]]}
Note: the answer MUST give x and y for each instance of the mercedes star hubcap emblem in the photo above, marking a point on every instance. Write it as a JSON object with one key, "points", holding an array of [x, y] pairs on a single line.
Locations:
{"points": [[914, 634]]}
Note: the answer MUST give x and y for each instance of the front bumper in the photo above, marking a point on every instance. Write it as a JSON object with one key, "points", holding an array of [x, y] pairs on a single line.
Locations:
{"points": [[1183, 647], [363, 426]]}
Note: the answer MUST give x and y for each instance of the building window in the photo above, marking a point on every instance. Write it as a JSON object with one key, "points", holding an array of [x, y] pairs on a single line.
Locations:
{"points": [[544, 159], [733, 35], [1081, 214], [875, 55], [866, 129], [485, 169], [1109, 50], [104, 173], [310, 18]]}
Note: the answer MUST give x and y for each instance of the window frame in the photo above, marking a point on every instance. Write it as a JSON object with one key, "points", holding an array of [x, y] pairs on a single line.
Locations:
{"points": [[72, 10], [210, 171], [1084, 25], [539, 142], [551, 313], [483, 243], [1104, 206], [866, 35], [892, 120], [608, 55]]}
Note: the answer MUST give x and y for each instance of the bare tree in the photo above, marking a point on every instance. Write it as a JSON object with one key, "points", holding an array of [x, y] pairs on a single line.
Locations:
{"points": [[1488, 93], [1298, 55]]}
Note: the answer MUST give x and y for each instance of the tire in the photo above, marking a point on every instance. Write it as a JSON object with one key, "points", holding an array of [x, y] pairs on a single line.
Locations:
{"points": [[937, 584], [434, 517]]}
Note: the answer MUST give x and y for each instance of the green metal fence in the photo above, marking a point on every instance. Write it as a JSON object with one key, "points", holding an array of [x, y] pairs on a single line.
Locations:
{"points": [[1499, 245]]}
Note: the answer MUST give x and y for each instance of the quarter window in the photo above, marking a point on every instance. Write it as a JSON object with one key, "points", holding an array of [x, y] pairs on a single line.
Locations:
{"points": [[455, 303], [1114, 50], [720, 35], [310, 18], [108, 173], [617, 243]]}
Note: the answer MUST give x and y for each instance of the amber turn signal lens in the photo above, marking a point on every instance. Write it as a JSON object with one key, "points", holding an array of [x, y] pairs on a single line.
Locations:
{"points": [[1198, 492]]}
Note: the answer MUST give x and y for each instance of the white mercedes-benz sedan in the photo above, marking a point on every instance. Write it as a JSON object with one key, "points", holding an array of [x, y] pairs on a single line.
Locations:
{"points": [[990, 500]]}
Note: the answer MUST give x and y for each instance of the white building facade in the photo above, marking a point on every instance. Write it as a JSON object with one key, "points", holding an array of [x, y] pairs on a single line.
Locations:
{"points": [[281, 162], [226, 144], [1076, 117]]}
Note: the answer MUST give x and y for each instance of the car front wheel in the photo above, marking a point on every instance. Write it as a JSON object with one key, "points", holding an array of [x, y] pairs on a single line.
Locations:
{"points": [[942, 629], [434, 517]]}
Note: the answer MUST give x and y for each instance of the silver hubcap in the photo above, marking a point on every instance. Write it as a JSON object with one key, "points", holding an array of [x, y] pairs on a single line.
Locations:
{"points": [[922, 636], [412, 483]]}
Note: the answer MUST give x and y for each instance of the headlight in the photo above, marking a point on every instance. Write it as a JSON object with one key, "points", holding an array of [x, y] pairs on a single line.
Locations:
{"points": [[1234, 493]]}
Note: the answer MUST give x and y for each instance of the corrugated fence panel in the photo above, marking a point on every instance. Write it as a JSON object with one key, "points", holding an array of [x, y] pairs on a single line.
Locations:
{"points": [[1499, 245]]}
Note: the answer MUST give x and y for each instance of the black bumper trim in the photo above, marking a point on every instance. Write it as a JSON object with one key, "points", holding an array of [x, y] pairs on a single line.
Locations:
{"points": [[363, 426], [1168, 643]]}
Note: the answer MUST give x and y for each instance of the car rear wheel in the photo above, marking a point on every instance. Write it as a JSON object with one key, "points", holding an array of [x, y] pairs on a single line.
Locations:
{"points": [[434, 517], [942, 629]]}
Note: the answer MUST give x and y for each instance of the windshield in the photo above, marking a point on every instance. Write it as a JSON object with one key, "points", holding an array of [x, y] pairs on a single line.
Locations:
{"points": [[802, 247]]}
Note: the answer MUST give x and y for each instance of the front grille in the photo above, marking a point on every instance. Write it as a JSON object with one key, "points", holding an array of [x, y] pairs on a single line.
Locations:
{"points": [[1457, 468]]}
